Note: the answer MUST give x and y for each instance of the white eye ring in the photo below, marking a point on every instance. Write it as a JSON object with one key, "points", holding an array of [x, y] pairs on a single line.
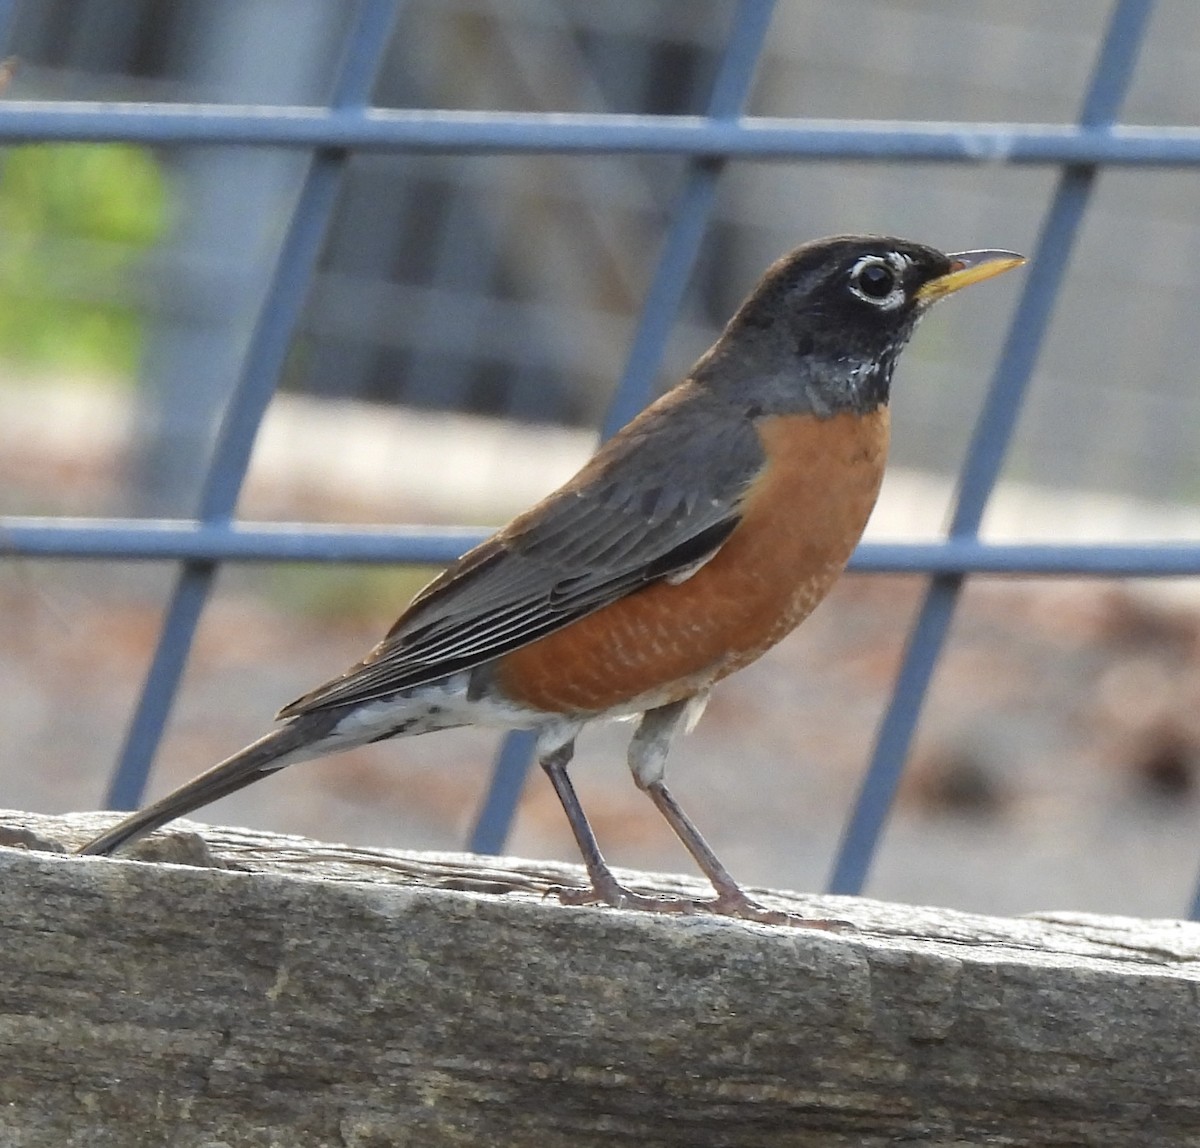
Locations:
{"points": [[892, 284]]}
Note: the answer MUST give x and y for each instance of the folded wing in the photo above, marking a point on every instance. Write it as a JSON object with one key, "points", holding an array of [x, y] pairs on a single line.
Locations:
{"points": [[619, 525]]}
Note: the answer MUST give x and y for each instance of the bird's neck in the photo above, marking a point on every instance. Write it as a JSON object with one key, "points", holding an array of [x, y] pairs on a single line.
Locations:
{"points": [[860, 386], [820, 384]]}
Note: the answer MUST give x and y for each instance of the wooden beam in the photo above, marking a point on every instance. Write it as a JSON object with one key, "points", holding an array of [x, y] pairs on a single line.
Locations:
{"points": [[277, 991]]}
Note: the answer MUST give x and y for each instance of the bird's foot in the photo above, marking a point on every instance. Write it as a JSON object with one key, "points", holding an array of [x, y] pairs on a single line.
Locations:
{"points": [[611, 893], [735, 903], [726, 904]]}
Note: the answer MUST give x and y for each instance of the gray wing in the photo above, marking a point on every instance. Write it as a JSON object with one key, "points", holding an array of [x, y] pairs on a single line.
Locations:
{"points": [[619, 525]]}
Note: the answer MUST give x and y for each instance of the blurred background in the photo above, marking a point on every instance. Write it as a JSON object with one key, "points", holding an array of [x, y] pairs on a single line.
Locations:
{"points": [[460, 344]]}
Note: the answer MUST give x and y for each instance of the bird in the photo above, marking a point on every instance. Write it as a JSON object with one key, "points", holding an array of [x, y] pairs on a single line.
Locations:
{"points": [[696, 538]]}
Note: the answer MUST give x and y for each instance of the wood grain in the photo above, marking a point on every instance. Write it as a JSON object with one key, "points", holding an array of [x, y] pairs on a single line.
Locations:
{"points": [[277, 991]]}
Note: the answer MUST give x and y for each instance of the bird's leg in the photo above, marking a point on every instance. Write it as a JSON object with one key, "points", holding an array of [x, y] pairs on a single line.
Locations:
{"points": [[647, 760], [731, 899], [605, 887], [555, 764]]}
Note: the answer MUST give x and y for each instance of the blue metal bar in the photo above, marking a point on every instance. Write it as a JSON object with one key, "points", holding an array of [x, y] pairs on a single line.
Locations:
{"points": [[514, 133], [661, 306], [993, 431], [157, 540], [496, 814], [160, 540], [365, 45], [689, 220]]}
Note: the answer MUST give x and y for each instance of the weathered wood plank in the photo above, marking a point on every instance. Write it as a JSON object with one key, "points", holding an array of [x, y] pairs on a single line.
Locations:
{"points": [[313, 995]]}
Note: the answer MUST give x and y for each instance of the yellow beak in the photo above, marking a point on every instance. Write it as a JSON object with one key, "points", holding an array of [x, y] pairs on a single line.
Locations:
{"points": [[967, 267]]}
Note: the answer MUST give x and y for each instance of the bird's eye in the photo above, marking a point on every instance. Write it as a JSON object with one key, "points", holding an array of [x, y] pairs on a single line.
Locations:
{"points": [[877, 279]]}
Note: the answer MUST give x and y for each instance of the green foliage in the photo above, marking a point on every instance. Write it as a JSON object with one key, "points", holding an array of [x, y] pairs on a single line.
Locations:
{"points": [[74, 220], [370, 594]]}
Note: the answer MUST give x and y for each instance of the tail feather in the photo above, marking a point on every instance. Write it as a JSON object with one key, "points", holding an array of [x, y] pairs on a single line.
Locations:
{"points": [[277, 749]]}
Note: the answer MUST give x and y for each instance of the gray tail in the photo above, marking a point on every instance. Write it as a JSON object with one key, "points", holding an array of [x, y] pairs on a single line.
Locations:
{"points": [[257, 760]]}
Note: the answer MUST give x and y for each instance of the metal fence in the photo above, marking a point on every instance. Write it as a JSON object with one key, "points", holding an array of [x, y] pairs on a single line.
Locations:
{"points": [[329, 136]]}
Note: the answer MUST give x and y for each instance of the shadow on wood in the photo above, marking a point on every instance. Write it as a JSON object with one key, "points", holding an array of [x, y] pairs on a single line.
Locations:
{"points": [[278, 991]]}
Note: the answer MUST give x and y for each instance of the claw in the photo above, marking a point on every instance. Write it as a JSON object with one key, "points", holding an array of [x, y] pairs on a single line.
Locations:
{"points": [[739, 905], [725, 905], [618, 897]]}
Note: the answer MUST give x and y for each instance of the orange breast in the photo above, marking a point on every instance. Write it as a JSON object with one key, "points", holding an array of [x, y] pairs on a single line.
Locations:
{"points": [[801, 520]]}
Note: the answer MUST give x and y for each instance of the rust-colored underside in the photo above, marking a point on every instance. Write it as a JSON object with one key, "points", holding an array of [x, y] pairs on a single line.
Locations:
{"points": [[801, 520]]}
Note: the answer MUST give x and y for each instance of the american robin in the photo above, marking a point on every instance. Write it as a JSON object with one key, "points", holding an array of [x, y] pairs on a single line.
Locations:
{"points": [[697, 537]]}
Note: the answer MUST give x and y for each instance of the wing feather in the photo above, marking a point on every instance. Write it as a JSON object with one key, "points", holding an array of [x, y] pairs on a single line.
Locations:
{"points": [[620, 524]]}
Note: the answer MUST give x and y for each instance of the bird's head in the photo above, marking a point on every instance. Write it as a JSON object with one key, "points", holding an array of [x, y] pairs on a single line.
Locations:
{"points": [[824, 326]]}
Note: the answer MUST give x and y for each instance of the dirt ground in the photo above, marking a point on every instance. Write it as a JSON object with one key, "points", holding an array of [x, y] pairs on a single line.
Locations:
{"points": [[1056, 766]]}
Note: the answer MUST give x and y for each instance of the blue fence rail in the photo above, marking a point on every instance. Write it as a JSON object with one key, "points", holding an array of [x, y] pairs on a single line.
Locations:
{"points": [[513, 133], [349, 124]]}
